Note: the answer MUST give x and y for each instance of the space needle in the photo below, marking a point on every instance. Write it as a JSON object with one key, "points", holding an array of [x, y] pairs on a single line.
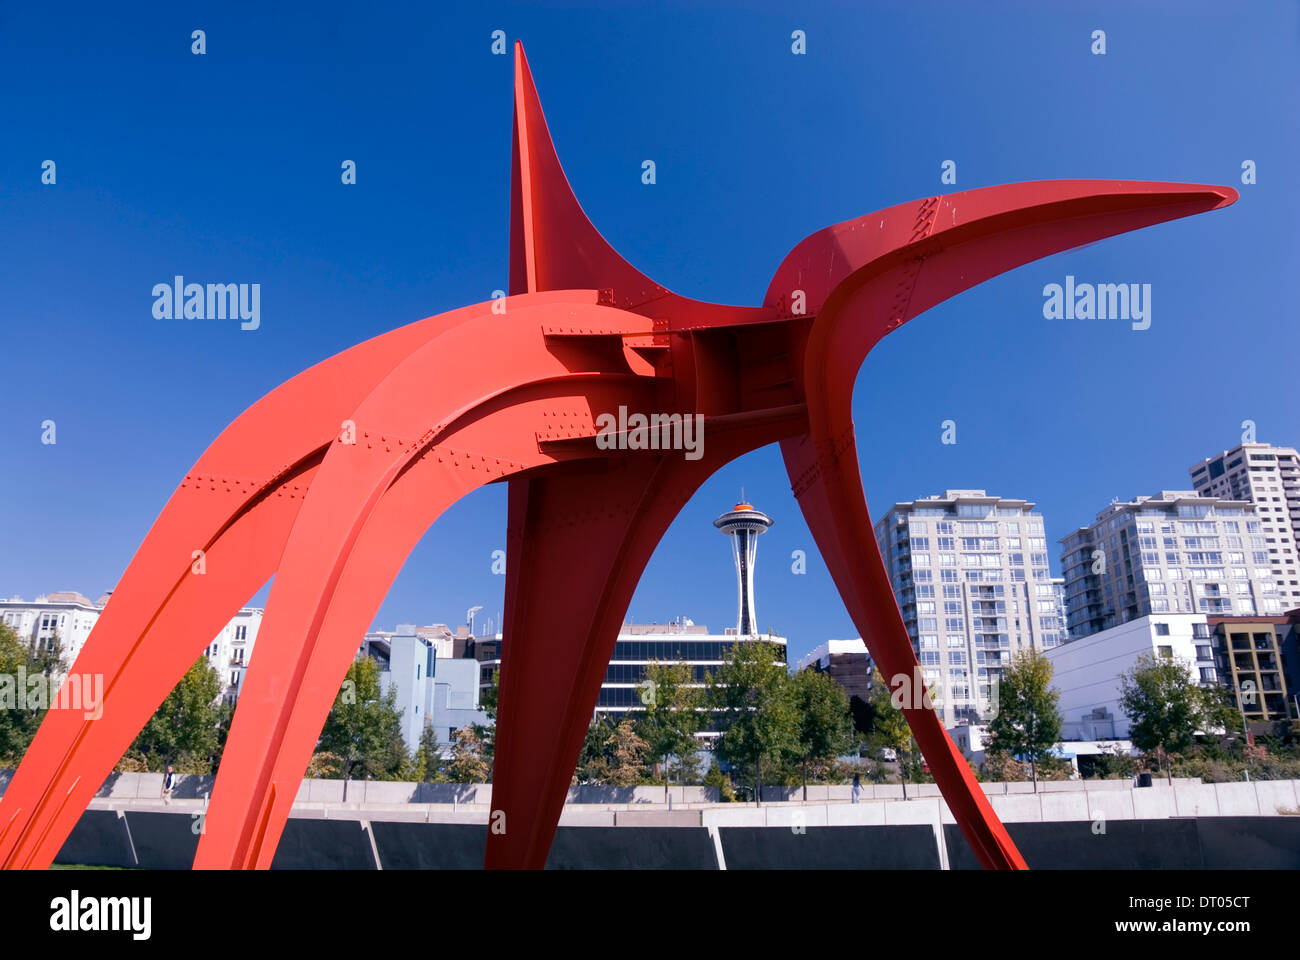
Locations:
{"points": [[743, 524]]}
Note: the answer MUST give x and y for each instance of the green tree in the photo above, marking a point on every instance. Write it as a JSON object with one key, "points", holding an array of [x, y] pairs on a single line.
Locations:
{"points": [[428, 758], [364, 728], [716, 778], [1114, 763], [1166, 706], [670, 718], [19, 716], [184, 731], [487, 732], [488, 698], [825, 724], [1220, 710], [754, 698], [999, 767], [225, 717], [627, 755], [889, 727], [467, 763], [593, 761], [1027, 723]]}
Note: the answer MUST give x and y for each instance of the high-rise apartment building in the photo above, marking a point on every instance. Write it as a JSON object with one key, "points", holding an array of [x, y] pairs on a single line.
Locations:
{"points": [[971, 576], [1269, 477], [1176, 552]]}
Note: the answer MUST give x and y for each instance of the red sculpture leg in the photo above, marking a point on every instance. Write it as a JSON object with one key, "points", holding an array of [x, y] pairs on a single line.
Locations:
{"points": [[342, 556], [236, 506], [440, 475], [830, 495], [578, 541], [866, 278], [45, 801], [576, 545]]}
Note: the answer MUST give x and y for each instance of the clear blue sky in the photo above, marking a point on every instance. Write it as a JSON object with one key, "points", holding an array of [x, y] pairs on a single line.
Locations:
{"points": [[226, 168]]}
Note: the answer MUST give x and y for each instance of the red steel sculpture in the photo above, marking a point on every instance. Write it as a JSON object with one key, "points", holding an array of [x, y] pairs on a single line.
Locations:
{"points": [[329, 481]]}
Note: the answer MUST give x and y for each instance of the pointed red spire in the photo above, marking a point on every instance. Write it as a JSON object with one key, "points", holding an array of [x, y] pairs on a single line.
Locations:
{"points": [[553, 246]]}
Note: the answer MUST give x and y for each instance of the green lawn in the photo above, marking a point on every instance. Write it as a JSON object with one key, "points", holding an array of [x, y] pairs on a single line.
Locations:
{"points": [[82, 866]]}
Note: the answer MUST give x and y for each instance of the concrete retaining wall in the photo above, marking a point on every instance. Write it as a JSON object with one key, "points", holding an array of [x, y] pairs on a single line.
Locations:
{"points": [[128, 825], [161, 840], [632, 848], [100, 838], [324, 845], [1213, 843], [909, 847]]}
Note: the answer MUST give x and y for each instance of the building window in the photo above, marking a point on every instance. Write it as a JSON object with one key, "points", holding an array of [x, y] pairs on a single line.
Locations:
{"points": [[1162, 629], [1165, 651]]}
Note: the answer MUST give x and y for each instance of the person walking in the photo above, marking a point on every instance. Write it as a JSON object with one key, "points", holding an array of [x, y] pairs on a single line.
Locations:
{"points": [[169, 783], [857, 788]]}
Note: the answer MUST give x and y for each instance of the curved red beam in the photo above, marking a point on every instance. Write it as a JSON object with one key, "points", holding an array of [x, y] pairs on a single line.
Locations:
{"points": [[282, 491]]}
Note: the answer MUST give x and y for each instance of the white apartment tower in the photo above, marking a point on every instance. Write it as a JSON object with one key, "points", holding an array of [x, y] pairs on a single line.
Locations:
{"points": [[1269, 477], [970, 574], [1172, 553]]}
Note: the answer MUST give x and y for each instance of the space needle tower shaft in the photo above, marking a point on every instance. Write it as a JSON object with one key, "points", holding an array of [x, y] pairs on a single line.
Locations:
{"points": [[743, 524]]}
